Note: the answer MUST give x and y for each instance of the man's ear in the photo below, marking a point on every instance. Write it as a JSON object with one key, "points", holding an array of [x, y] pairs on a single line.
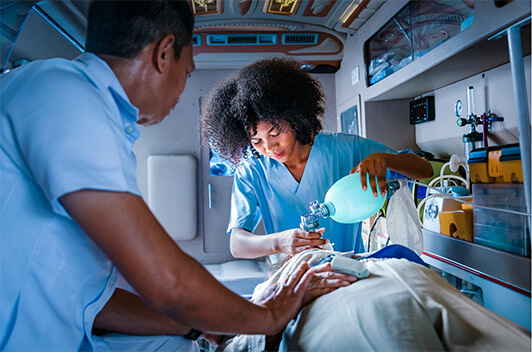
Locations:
{"points": [[163, 52]]}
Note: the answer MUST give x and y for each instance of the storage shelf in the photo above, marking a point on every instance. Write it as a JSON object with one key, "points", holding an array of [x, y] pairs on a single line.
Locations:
{"points": [[507, 267], [468, 54]]}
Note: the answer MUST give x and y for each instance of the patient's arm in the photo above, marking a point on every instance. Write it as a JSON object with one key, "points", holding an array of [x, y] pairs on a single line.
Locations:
{"points": [[325, 280]]}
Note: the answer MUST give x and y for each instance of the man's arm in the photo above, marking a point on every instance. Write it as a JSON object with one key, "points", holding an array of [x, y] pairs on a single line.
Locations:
{"points": [[167, 279], [126, 313]]}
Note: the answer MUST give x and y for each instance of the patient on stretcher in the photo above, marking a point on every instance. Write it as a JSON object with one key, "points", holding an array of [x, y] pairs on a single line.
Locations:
{"points": [[401, 306]]}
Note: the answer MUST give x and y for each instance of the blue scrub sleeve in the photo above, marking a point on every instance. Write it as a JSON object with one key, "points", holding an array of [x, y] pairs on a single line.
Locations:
{"points": [[245, 211]]}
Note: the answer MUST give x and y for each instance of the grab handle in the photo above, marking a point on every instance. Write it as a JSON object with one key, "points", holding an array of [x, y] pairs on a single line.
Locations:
{"points": [[209, 188]]}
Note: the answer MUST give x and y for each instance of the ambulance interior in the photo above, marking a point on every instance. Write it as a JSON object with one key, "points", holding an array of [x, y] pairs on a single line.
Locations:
{"points": [[448, 78]]}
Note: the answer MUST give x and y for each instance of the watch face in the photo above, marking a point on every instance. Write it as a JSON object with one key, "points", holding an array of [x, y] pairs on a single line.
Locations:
{"points": [[458, 108]]}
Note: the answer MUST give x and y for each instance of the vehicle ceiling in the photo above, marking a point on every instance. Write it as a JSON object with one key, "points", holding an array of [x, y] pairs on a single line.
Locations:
{"points": [[230, 33]]}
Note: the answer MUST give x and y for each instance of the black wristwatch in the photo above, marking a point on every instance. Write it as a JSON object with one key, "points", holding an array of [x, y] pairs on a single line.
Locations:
{"points": [[193, 334]]}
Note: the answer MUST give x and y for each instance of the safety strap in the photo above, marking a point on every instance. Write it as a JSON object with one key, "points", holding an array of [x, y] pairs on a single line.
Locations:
{"points": [[397, 251]]}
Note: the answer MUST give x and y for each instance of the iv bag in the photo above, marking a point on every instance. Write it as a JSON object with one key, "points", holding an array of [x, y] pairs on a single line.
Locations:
{"points": [[348, 203]]}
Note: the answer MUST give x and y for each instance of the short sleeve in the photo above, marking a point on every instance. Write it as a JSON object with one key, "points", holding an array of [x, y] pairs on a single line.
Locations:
{"points": [[245, 211], [380, 148], [368, 146]]}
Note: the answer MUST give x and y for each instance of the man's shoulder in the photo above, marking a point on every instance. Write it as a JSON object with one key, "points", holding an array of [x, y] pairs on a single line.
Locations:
{"points": [[57, 67], [45, 80], [60, 74], [66, 80], [55, 89]]}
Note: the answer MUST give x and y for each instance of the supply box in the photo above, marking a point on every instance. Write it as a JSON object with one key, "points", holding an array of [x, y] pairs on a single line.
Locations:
{"points": [[496, 165], [497, 182]]}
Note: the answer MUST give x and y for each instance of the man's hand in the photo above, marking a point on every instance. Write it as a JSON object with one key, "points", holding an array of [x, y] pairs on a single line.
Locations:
{"points": [[326, 280], [295, 241], [167, 279], [285, 297]]}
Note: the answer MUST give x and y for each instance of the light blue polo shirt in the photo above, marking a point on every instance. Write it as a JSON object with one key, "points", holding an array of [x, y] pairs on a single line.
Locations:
{"points": [[64, 126], [264, 188]]}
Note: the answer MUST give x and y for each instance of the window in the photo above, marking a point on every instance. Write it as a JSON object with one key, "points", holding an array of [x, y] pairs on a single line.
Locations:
{"points": [[350, 120], [219, 166]]}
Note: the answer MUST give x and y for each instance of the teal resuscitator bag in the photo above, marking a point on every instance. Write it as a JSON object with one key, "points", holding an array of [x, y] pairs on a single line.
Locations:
{"points": [[348, 203]]}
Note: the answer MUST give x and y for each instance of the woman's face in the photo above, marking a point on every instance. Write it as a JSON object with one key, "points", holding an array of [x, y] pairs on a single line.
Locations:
{"points": [[278, 143]]}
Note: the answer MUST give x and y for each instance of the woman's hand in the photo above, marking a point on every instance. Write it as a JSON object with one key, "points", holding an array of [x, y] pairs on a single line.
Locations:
{"points": [[375, 165], [294, 241], [326, 280]]}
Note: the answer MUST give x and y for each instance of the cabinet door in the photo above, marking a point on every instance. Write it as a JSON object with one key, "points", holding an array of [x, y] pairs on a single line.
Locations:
{"points": [[217, 186]]}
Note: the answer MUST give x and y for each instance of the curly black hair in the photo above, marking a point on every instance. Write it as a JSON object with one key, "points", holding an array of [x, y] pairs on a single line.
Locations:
{"points": [[275, 91]]}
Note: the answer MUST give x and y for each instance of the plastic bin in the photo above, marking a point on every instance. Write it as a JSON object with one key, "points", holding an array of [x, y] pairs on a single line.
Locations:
{"points": [[501, 230]]}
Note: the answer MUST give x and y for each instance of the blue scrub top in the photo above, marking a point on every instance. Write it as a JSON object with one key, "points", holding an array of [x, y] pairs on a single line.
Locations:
{"points": [[264, 188], [64, 126]]}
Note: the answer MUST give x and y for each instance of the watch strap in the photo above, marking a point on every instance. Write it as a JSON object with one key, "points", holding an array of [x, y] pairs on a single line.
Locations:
{"points": [[193, 334]]}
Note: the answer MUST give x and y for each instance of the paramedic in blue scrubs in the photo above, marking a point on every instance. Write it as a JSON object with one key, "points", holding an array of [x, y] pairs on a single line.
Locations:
{"points": [[266, 118], [73, 216]]}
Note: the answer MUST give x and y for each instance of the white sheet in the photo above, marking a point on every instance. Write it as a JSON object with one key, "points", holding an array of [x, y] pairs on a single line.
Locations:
{"points": [[402, 306]]}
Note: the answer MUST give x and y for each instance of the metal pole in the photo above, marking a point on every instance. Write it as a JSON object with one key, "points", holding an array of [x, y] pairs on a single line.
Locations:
{"points": [[521, 104]]}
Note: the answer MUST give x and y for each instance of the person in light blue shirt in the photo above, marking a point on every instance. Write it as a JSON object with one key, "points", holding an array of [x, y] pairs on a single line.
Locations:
{"points": [[72, 214], [266, 119]]}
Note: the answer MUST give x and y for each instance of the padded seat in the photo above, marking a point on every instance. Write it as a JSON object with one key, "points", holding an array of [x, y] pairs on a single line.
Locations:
{"points": [[240, 276]]}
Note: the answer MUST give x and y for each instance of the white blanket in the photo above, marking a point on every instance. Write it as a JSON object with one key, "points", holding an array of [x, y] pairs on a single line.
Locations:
{"points": [[402, 306]]}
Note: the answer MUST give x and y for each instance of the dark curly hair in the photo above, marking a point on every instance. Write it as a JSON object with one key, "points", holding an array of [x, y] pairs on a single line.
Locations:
{"points": [[275, 91]]}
